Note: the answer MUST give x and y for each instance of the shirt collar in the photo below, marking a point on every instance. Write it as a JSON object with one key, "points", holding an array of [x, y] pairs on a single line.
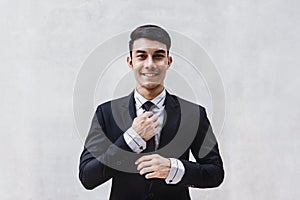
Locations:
{"points": [[158, 100]]}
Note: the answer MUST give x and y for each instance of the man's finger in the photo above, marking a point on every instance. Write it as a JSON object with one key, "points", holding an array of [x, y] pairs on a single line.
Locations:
{"points": [[155, 124], [154, 117], [147, 114], [151, 175], [146, 170], [144, 158], [143, 165], [143, 117]]}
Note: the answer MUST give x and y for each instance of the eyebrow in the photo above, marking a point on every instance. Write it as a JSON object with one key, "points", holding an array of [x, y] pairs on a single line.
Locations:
{"points": [[160, 51], [140, 51], [157, 51]]}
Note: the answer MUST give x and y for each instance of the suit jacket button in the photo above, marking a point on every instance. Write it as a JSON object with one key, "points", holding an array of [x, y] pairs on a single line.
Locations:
{"points": [[150, 196]]}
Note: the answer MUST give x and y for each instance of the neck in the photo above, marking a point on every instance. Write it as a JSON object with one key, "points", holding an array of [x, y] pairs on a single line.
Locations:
{"points": [[150, 94]]}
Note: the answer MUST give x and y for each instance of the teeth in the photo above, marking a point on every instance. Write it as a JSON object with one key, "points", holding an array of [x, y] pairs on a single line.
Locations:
{"points": [[150, 75]]}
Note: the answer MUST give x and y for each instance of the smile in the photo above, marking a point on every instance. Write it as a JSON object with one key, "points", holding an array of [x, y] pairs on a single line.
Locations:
{"points": [[149, 74]]}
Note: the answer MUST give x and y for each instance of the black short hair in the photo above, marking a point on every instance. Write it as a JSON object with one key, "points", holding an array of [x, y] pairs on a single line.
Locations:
{"points": [[151, 32]]}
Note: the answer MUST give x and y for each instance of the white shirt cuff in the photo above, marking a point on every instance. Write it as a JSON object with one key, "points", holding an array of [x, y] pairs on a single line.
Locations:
{"points": [[176, 172], [134, 140]]}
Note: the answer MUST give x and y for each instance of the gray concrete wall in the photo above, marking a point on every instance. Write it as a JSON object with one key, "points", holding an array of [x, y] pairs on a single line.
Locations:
{"points": [[253, 44]]}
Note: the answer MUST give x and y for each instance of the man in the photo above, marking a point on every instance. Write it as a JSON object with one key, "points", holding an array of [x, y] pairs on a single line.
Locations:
{"points": [[143, 141]]}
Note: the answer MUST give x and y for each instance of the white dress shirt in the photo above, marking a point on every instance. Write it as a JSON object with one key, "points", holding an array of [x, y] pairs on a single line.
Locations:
{"points": [[137, 144]]}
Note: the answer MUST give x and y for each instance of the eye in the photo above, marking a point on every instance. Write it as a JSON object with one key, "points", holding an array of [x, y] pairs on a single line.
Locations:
{"points": [[158, 56], [141, 56]]}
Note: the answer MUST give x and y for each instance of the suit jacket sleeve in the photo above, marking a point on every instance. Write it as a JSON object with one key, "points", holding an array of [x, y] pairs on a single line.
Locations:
{"points": [[98, 149], [207, 171]]}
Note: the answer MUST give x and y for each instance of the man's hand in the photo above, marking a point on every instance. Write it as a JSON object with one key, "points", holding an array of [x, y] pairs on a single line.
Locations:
{"points": [[154, 166], [146, 125]]}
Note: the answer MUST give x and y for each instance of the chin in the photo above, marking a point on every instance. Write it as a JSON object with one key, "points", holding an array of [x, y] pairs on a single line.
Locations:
{"points": [[151, 86]]}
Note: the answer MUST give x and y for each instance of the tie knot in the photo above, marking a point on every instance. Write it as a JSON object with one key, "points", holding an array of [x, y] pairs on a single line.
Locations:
{"points": [[148, 105]]}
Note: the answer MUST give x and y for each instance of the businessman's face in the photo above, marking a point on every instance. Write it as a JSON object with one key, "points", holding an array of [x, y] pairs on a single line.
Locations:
{"points": [[149, 62]]}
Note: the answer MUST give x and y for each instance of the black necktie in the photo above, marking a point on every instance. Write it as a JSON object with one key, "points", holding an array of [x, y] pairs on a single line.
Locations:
{"points": [[148, 105]]}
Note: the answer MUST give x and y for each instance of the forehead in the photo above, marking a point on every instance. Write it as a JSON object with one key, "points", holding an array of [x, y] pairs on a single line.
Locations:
{"points": [[146, 44]]}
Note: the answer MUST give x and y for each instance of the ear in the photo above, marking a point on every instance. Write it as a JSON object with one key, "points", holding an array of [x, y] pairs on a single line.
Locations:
{"points": [[170, 60], [129, 62]]}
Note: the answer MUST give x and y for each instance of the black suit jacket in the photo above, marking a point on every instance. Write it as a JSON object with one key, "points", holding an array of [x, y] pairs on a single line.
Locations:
{"points": [[103, 156]]}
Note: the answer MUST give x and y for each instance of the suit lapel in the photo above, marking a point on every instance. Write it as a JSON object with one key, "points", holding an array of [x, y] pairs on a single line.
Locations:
{"points": [[172, 120], [126, 110], [132, 109]]}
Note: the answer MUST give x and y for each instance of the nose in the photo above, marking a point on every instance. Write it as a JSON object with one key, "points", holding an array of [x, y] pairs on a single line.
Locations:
{"points": [[149, 64]]}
